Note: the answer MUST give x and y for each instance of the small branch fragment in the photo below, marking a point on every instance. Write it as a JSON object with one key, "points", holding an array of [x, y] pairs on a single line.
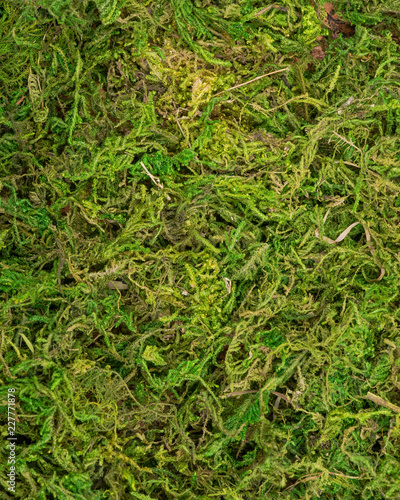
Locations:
{"points": [[117, 285], [380, 401], [266, 9], [155, 180], [347, 142], [251, 81]]}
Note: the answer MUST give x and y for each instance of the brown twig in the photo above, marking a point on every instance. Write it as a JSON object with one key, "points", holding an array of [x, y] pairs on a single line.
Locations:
{"points": [[311, 477], [237, 393], [350, 143], [382, 402], [266, 9]]}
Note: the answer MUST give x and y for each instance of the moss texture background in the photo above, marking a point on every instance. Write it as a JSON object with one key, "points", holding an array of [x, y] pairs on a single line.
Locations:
{"points": [[200, 292]]}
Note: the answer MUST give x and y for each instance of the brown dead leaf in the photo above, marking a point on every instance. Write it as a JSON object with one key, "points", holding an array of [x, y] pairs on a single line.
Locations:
{"points": [[318, 53], [329, 8], [335, 24]]}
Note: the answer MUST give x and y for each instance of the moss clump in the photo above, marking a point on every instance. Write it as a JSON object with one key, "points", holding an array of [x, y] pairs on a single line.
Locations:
{"points": [[199, 249]]}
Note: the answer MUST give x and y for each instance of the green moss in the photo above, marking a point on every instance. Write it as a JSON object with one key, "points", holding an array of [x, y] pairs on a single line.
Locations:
{"points": [[168, 265]]}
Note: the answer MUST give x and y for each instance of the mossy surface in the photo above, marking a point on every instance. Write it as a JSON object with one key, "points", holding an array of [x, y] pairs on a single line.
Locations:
{"points": [[200, 283]]}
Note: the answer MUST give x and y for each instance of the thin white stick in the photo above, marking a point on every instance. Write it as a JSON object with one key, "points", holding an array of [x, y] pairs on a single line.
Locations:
{"points": [[156, 180], [250, 81], [347, 142]]}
